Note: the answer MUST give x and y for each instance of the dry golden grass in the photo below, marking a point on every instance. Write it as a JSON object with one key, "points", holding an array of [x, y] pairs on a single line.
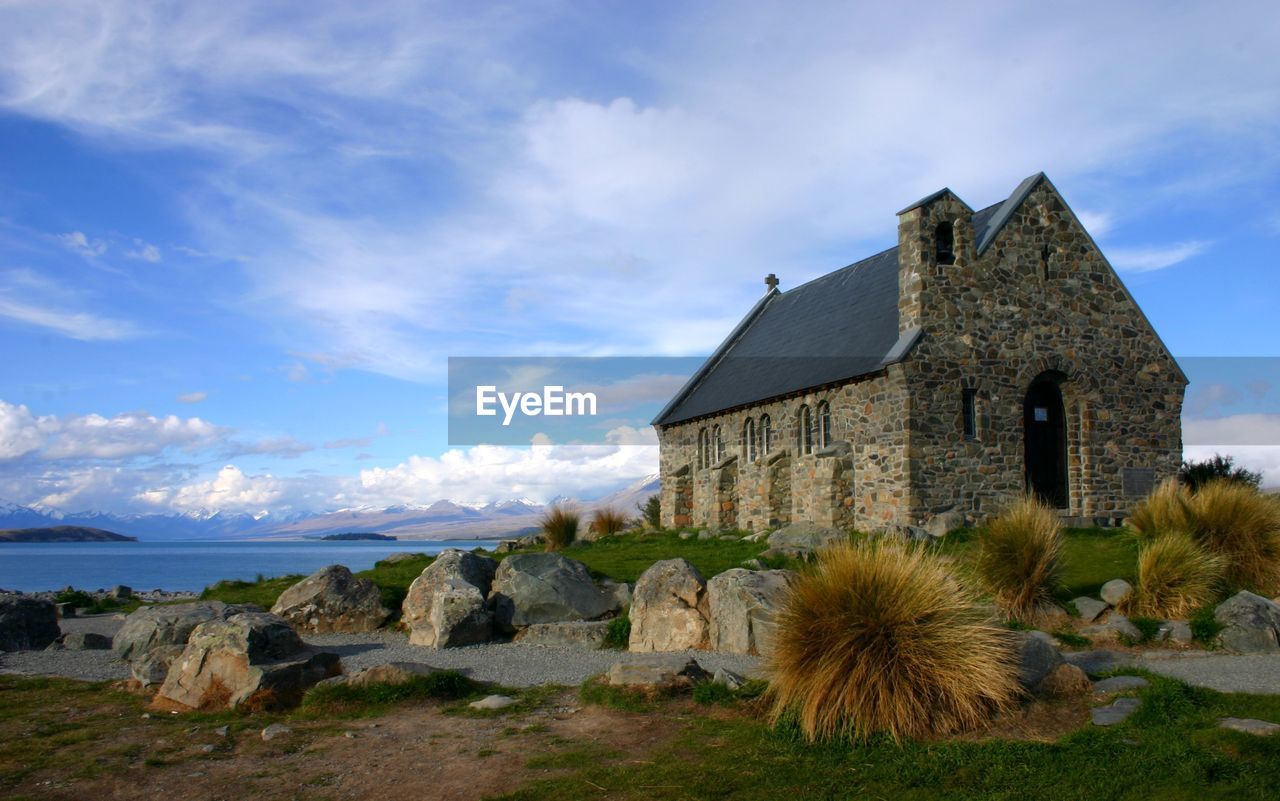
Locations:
{"points": [[1236, 522], [559, 527], [1019, 558], [881, 637], [608, 521], [1167, 510], [1175, 578]]}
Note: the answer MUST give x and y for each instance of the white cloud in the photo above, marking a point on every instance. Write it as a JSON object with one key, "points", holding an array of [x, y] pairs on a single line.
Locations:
{"points": [[1233, 430], [285, 446], [1097, 223], [144, 251], [93, 436], [34, 300], [1149, 259], [193, 397], [78, 243], [229, 491], [1264, 459]]}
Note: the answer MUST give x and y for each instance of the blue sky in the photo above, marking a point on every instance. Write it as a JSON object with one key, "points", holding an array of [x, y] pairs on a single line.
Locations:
{"points": [[239, 241]]}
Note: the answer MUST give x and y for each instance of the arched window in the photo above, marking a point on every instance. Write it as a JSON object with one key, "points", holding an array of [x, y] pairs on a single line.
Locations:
{"points": [[702, 448], [766, 434], [824, 424], [717, 445], [944, 243], [805, 431], [1045, 253], [749, 440]]}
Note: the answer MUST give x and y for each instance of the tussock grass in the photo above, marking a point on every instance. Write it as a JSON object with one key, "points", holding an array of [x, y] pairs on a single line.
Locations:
{"points": [[879, 637], [1241, 525], [1175, 578], [608, 521], [1167, 510], [559, 526], [1019, 558]]}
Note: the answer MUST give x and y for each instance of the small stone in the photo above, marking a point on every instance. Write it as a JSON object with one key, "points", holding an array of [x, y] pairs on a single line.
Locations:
{"points": [[146, 716], [1117, 712], [1119, 684], [753, 564], [207, 748], [1064, 681], [1175, 631], [493, 702], [1090, 609], [275, 730], [1260, 728], [350, 735], [222, 731], [1116, 591], [728, 678], [687, 535], [1115, 626]]}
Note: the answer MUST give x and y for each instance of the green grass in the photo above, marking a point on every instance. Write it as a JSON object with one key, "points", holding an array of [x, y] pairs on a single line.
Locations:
{"points": [[344, 700], [624, 557], [1170, 749], [394, 578], [262, 592]]}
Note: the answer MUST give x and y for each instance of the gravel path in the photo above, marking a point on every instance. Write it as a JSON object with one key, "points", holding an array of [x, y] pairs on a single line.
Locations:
{"points": [[510, 664], [1258, 674]]}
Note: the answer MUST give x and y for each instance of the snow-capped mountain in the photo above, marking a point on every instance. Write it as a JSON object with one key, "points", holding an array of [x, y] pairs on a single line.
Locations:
{"points": [[442, 519]]}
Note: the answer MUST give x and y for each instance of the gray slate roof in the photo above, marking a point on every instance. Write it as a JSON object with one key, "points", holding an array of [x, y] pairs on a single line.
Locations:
{"points": [[834, 328]]}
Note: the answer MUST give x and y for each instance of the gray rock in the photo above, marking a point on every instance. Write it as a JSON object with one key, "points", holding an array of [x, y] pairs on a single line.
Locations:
{"points": [[1115, 626], [332, 600], [27, 624], [222, 731], [1117, 711], [151, 627], [706, 535], [122, 592], [1175, 631], [1118, 684], [403, 556], [1251, 623], [1037, 657], [1260, 728], [906, 533], [753, 564], [802, 539], [1090, 609], [943, 523], [86, 641], [493, 702], [671, 673], [447, 604], [728, 678], [687, 535], [1115, 591], [670, 608], [276, 730], [581, 633], [252, 657], [534, 588], [743, 607], [1098, 661], [390, 673]]}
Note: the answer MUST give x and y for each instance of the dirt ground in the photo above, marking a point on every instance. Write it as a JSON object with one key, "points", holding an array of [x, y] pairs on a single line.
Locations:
{"points": [[414, 752]]}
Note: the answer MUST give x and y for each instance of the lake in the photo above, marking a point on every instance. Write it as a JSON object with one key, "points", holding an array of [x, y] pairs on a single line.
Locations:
{"points": [[187, 566]]}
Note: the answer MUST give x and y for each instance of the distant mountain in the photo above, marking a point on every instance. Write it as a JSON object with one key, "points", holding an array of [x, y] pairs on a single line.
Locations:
{"points": [[443, 519], [62, 534], [354, 536]]}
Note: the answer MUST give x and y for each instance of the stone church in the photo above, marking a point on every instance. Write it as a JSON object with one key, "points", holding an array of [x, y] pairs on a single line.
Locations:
{"points": [[989, 354]]}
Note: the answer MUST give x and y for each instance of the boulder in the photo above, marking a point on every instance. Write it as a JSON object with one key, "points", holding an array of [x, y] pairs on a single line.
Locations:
{"points": [[1251, 623], [1175, 631], [1261, 728], [122, 592], [1116, 591], [802, 540], [275, 730], [403, 556], [252, 658], [446, 604], [1037, 657], [1118, 684], [1064, 681], [1090, 609], [943, 523], [390, 673], [531, 588], [575, 633], [27, 624], [728, 678], [743, 605], [86, 641], [153, 636], [669, 608], [1115, 626], [670, 673], [1119, 711], [332, 600]]}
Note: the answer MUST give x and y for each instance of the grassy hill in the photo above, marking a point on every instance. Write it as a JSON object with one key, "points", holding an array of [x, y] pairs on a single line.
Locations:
{"points": [[62, 534]]}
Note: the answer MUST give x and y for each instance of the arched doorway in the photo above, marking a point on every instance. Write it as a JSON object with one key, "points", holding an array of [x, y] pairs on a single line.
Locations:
{"points": [[1045, 434]]}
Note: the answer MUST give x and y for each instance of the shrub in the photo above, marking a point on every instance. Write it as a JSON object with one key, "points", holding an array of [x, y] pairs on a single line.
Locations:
{"points": [[1241, 525], [880, 637], [1019, 558], [559, 526], [651, 512], [608, 521], [618, 635], [1194, 475], [1167, 510], [1205, 626], [1175, 577]]}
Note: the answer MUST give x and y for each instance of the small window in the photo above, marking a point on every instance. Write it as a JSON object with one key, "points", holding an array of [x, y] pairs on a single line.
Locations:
{"points": [[717, 445], [749, 440], [824, 425], [945, 243], [1045, 253], [970, 413], [805, 431], [702, 448], [766, 435]]}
